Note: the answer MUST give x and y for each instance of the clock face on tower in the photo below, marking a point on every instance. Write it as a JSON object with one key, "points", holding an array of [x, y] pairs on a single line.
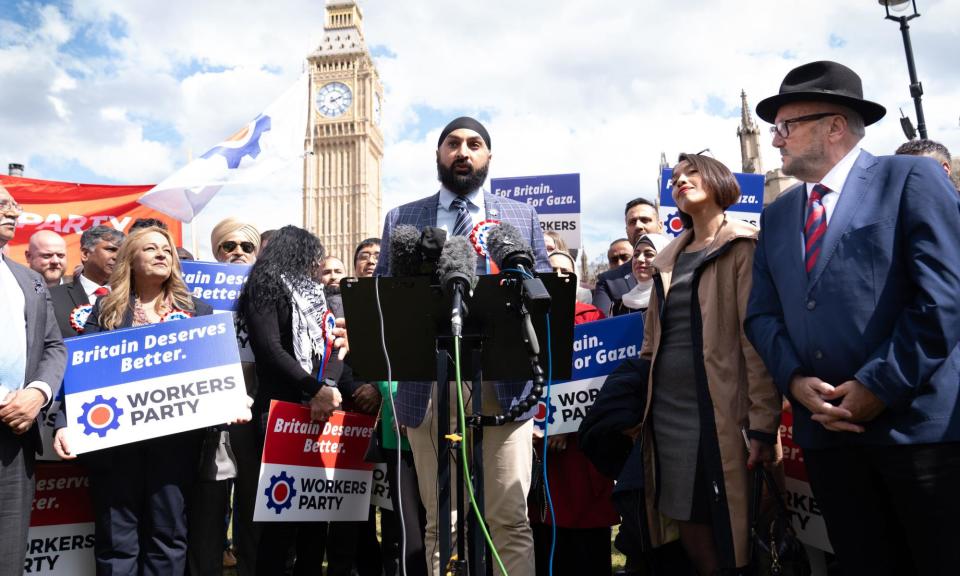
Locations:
{"points": [[333, 99]]}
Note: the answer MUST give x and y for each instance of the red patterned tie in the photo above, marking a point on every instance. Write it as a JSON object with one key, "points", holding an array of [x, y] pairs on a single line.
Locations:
{"points": [[101, 291], [815, 225]]}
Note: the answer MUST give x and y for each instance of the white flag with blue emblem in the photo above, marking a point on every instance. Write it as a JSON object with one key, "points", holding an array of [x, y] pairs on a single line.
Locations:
{"points": [[268, 144]]}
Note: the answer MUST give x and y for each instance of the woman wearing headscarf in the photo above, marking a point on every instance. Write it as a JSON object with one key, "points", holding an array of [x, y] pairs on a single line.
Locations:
{"points": [[282, 307], [645, 250], [230, 457], [707, 389], [139, 490], [581, 496]]}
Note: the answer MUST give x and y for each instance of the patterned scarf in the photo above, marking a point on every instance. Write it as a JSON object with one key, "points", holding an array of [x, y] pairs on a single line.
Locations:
{"points": [[309, 315]]}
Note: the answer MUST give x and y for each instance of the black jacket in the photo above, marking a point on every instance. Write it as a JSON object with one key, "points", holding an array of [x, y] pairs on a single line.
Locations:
{"points": [[279, 374], [65, 298]]}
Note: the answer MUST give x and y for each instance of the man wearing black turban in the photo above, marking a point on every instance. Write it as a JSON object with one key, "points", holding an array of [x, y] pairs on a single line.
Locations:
{"points": [[463, 157]]}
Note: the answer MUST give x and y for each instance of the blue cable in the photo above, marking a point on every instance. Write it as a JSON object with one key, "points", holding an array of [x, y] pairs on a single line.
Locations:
{"points": [[546, 430]]}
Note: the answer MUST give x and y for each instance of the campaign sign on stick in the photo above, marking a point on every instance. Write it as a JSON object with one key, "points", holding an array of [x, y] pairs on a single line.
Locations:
{"points": [[555, 197], [314, 471], [808, 520], [748, 208], [381, 488], [129, 385], [60, 540], [219, 285], [598, 348]]}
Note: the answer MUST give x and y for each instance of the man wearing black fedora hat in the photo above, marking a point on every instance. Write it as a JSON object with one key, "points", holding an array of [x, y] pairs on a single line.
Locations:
{"points": [[855, 309]]}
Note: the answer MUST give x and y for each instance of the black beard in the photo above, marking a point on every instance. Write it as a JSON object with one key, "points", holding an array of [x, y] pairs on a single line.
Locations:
{"points": [[461, 184]]}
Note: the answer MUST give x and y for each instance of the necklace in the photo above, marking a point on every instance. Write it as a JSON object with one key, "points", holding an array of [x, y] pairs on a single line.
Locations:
{"points": [[140, 317]]}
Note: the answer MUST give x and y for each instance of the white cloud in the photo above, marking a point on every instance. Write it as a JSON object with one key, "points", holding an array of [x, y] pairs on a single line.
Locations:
{"points": [[600, 88]]}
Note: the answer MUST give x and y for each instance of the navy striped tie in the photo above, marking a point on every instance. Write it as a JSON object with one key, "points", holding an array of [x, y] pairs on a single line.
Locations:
{"points": [[815, 225], [464, 222]]}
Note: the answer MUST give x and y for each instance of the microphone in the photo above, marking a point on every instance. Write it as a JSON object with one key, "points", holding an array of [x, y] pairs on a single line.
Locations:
{"points": [[404, 257], [515, 258], [415, 253], [456, 269], [511, 252]]}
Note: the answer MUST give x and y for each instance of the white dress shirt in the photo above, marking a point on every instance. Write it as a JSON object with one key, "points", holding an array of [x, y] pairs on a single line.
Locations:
{"points": [[13, 353], [89, 286], [447, 216], [834, 180]]}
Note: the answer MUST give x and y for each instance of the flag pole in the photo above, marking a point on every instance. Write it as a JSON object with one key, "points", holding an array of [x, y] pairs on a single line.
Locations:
{"points": [[193, 222]]}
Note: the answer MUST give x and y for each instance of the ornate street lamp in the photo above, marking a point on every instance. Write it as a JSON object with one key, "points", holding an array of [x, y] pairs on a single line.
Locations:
{"points": [[916, 89]]}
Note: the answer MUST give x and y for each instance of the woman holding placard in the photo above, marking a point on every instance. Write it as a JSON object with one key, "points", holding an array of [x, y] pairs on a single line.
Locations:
{"points": [[139, 490], [284, 310]]}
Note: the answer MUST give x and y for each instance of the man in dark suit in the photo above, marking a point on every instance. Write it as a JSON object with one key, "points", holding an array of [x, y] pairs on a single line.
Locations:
{"points": [[855, 309], [641, 217], [72, 302], [32, 359], [463, 156]]}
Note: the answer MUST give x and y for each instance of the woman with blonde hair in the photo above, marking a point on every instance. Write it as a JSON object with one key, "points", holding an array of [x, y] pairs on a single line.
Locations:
{"points": [[139, 490]]}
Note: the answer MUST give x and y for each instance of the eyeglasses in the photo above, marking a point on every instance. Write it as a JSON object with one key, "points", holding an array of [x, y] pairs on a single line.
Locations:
{"points": [[10, 206], [619, 258], [230, 246], [367, 256], [782, 128]]}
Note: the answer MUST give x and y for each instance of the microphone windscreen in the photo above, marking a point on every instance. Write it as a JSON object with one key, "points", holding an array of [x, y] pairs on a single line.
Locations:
{"points": [[458, 258], [404, 256], [505, 245], [431, 245]]}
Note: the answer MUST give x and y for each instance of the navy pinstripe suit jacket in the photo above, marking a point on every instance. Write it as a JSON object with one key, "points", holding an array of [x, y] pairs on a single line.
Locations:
{"points": [[412, 397]]}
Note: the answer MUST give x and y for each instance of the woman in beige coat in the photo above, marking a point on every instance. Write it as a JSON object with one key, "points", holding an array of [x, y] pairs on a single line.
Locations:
{"points": [[707, 387]]}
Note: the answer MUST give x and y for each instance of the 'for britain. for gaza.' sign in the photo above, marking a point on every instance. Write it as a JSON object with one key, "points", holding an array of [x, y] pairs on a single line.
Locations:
{"points": [[129, 385], [747, 208]]}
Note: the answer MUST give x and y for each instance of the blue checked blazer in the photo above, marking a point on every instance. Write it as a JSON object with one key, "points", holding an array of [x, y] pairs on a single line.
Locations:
{"points": [[412, 397]]}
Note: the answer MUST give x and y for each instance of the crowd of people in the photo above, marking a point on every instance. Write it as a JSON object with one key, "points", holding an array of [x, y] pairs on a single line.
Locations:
{"points": [[843, 307]]}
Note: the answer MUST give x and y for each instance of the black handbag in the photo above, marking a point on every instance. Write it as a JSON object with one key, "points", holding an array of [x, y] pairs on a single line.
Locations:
{"points": [[776, 549]]}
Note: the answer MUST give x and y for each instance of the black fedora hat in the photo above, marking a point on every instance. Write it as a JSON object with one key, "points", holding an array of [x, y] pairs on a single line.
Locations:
{"points": [[822, 81]]}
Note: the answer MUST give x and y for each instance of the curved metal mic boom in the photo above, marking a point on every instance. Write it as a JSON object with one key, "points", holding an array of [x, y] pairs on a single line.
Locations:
{"points": [[516, 260]]}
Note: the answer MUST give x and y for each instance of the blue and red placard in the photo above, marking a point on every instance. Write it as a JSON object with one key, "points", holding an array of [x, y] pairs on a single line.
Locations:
{"points": [[555, 197], [128, 385], [748, 208], [314, 471], [598, 348]]}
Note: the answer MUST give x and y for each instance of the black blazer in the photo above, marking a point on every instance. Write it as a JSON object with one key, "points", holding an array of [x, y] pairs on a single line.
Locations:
{"points": [[66, 297], [279, 374], [612, 285]]}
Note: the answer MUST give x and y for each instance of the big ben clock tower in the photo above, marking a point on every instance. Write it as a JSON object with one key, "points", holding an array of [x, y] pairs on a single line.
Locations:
{"points": [[341, 181]]}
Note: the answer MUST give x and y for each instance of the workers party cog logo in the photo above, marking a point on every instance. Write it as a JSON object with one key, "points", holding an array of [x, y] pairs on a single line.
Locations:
{"points": [[100, 415], [674, 224], [540, 419], [245, 142], [280, 492]]}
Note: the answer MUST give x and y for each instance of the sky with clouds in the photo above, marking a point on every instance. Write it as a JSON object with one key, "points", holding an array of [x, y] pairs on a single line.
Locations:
{"points": [[126, 91]]}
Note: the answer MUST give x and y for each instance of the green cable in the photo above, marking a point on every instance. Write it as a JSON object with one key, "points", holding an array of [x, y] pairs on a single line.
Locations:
{"points": [[463, 458]]}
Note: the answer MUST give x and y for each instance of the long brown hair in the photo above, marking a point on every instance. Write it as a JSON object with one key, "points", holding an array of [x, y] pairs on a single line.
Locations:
{"points": [[114, 306]]}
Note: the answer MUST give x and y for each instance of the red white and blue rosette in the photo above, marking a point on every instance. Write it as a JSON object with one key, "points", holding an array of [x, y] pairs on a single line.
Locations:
{"points": [[79, 315], [176, 314], [478, 236]]}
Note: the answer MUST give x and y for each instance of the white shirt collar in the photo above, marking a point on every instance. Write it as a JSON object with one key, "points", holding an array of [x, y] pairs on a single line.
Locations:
{"points": [[89, 286], [474, 198], [837, 176]]}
